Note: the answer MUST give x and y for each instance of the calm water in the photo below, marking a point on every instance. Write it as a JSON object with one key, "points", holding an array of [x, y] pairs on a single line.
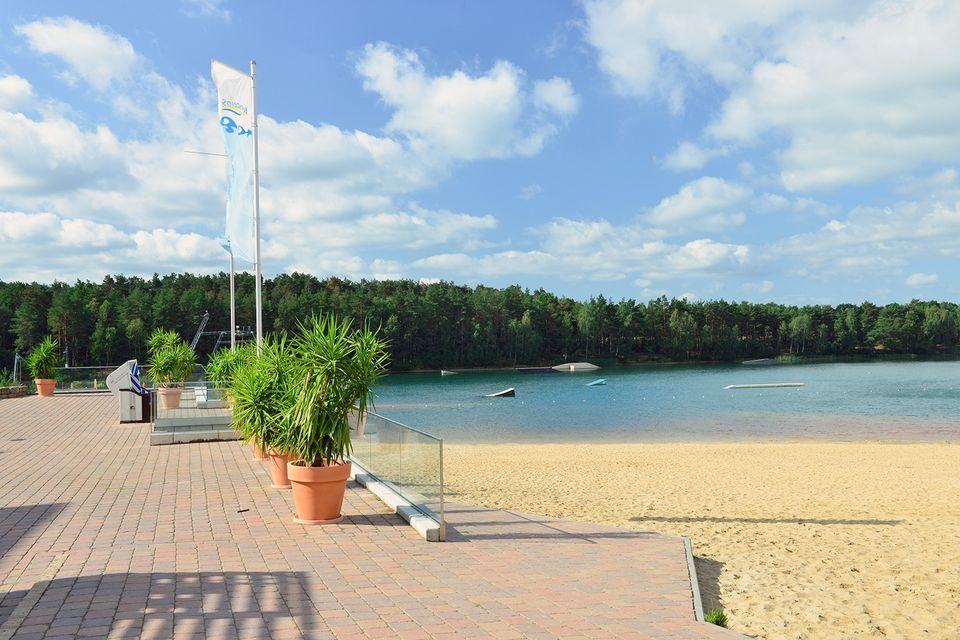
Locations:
{"points": [[841, 401]]}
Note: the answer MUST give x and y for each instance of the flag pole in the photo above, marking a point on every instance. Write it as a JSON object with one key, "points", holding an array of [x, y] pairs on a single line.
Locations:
{"points": [[233, 309], [256, 204]]}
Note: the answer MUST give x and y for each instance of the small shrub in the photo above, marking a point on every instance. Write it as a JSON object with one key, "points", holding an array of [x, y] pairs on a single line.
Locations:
{"points": [[717, 617], [171, 359], [44, 358], [6, 379], [224, 364]]}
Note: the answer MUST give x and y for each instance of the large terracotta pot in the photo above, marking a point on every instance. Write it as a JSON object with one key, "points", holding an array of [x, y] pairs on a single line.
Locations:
{"points": [[45, 387], [259, 453], [278, 470], [318, 492], [169, 397]]}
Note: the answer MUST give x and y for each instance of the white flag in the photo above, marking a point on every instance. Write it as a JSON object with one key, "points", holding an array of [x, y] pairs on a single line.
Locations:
{"points": [[235, 111]]}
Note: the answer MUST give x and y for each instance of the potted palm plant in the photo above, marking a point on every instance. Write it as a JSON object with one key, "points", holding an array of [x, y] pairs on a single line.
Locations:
{"points": [[224, 364], [171, 363], [261, 399], [334, 369], [42, 360]]}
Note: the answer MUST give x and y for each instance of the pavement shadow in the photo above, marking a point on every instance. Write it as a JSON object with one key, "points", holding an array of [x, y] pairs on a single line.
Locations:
{"points": [[21, 525], [472, 525], [721, 519], [164, 605], [708, 579]]}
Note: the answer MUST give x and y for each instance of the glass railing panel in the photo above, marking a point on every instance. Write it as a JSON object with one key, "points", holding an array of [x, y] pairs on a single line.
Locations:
{"points": [[383, 442], [421, 471], [83, 378], [194, 406], [410, 461]]}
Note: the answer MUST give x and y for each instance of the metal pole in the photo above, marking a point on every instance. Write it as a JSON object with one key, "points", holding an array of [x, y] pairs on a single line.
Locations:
{"points": [[256, 204], [233, 309]]}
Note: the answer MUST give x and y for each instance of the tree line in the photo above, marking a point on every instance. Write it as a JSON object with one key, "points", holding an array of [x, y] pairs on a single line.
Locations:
{"points": [[447, 325]]}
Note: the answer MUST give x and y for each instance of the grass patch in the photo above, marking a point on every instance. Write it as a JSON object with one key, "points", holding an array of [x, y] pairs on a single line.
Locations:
{"points": [[717, 617]]}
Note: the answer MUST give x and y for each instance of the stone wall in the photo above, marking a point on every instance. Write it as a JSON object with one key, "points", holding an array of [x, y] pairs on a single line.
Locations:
{"points": [[12, 392]]}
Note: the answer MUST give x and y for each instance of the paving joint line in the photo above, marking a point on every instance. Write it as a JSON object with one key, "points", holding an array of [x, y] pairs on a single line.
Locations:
{"points": [[30, 600]]}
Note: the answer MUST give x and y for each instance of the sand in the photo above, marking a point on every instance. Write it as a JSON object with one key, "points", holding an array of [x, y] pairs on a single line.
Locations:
{"points": [[792, 540]]}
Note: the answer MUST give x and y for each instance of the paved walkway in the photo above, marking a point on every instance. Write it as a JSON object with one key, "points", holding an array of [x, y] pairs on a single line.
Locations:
{"points": [[102, 535]]}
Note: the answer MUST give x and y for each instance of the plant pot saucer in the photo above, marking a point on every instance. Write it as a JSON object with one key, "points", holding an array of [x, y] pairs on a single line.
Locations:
{"points": [[330, 521]]}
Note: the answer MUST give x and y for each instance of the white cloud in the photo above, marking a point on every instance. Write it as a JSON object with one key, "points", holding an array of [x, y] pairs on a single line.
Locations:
{"points": [[55, 156], [85, 233], [598, 250], [920, 279], [15, 92], [706, 203], [848, 93], [657, 49], [858, 99], [206, 9], [312, 173], [706, 255], [76, 248], [414, 228], [688, 156], [769, 203], [91, 53], [556, 95], [764, 286], [874, 242], [810, 205], [941, 185], [461, 116], [530, 191]]}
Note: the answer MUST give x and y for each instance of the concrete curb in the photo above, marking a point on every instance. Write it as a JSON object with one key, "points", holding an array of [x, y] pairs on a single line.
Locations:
{"points": [[184, 437], [427, 527], [695, 588]]}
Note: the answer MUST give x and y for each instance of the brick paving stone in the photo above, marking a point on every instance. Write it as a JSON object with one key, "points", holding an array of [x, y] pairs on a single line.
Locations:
{"points": [[189, 541]]}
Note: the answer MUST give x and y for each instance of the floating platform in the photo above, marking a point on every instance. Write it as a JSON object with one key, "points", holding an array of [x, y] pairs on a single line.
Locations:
{"points": [[768, 385], [506, 393], [597, 383], [444, 372], [575, 366]]}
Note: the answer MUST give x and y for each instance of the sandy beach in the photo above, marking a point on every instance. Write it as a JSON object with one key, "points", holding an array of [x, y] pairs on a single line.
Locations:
{"points": [[793, 540]]}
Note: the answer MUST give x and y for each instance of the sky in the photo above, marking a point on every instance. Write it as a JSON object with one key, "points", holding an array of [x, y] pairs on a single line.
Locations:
{"points": [[800, 151]]}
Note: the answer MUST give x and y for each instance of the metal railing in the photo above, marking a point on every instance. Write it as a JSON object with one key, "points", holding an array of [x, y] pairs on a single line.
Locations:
{"points": [[408, 460]]}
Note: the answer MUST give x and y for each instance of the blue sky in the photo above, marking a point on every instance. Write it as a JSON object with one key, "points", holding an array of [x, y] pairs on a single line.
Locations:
{"points": [[802, 152]]}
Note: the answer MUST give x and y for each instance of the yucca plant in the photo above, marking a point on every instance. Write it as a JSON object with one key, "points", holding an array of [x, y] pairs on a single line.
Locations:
{"points": [[224, 364], [334, 370], [171, 359], [161, 339], [261, 394], [44, 358]]}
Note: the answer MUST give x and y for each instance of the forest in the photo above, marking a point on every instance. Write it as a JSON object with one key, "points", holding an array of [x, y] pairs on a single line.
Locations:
{"points": [[444, 325]]}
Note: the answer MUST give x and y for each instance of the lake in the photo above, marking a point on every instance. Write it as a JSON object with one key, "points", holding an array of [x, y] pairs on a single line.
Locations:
{"points": [[895, 400]]}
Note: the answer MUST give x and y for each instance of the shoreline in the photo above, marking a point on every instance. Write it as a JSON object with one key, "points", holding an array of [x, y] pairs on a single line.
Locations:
{"points": [[794, 359], [798, 539]]}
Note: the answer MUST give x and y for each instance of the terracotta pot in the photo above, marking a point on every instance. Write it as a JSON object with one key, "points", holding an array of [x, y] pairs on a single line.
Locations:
{"points": [[318, 492], [169, 397], [278, 470], [45, 387], [259, 453]]}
